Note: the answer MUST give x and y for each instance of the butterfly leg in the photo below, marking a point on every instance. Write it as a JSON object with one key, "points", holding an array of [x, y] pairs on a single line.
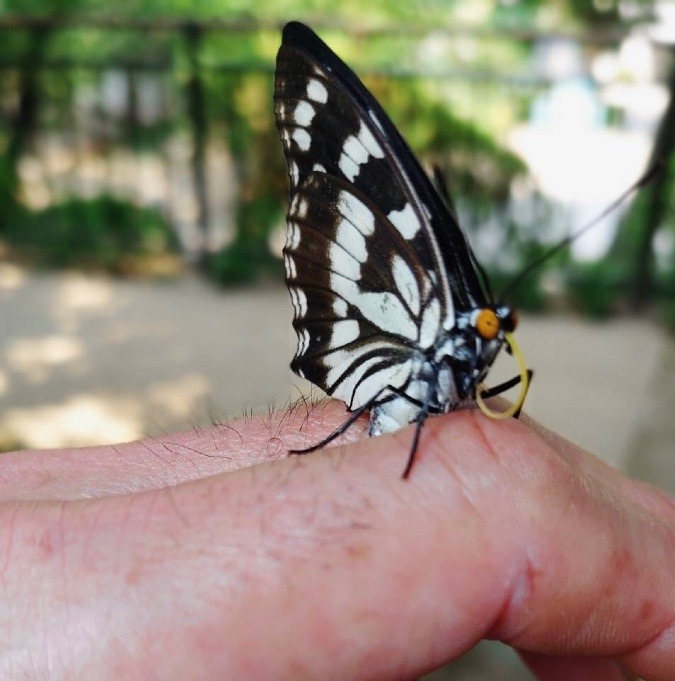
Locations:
{"points": [[502, 387], [344, 427], [413, 447], [394, 393], [420, 420], [398, 392], [425, 411]]}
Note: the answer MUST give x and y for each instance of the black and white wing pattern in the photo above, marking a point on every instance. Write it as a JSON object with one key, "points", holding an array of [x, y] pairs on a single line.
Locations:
{"points": [[380, 275]]}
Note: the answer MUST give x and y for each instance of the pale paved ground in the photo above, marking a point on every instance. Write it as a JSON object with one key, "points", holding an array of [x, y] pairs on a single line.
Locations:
{"points": [[86, 360], [90, 360]]}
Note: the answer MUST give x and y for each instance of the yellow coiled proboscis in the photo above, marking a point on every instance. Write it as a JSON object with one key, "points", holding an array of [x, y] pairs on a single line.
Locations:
{"points": [[524, 385]]}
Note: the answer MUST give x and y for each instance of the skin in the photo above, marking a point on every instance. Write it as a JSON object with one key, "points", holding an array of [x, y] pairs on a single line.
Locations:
{"points": [[212, 555]]}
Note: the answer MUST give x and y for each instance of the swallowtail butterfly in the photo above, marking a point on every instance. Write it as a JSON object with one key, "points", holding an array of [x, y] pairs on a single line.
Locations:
{"points": [[391, 310]]}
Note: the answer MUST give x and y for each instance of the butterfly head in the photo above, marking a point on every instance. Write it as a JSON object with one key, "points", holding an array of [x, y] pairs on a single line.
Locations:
{"points": [[495, 325], [491, 323], [486, 335]]}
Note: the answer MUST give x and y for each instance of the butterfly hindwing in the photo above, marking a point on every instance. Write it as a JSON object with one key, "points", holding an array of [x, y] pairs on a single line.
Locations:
{"points": [[363, 304]]}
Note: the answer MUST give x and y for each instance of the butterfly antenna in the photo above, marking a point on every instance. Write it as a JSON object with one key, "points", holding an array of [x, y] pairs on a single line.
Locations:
{"points": [[644, 180]]}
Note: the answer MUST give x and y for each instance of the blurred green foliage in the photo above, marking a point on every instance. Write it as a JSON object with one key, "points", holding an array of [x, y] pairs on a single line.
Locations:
{"points": [[102, 233], [597, 289], [621, 259], [8, 192], [454, 124]]}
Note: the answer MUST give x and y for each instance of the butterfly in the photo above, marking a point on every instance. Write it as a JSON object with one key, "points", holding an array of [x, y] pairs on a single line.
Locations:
{"points": [[393, 313]]}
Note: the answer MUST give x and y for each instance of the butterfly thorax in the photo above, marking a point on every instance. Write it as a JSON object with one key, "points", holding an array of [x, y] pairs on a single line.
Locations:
{"points": [[446, 376]]}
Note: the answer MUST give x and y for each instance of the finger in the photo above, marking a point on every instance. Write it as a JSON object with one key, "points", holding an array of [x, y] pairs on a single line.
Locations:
{"points": [[159, 462], [549, 668], [658, 501], [330, 566]]}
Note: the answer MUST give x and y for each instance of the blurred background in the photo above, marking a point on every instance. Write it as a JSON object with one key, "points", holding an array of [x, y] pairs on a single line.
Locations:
{"points": [[143, 192]]}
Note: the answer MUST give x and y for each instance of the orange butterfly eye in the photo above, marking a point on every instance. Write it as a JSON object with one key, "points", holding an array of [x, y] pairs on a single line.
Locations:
{"points": [[487, 324]]}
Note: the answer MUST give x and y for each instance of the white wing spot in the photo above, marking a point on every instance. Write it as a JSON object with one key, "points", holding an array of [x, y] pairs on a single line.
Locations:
{"points": [[344, 332], [352, 241], [291, 270], [302, 139], [430, 325], [418, 390], [394, 376], [369, 142], [405, 221], [303, 342], [304, 114], [340, 361], [294, 172], [344, 262], [299, 207], [316, 91], [357, 150], [356, 212], [426, 287], [350, 248], [355, 388], [294, 301], [302, 302], [348, 167], [384, 309], [299, 301], [319, 168], [340, 307], [406, 284], [292, 236]]}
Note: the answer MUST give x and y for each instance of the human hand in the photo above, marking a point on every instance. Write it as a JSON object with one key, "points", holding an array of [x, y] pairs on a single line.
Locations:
{"points": [[211, 555]]}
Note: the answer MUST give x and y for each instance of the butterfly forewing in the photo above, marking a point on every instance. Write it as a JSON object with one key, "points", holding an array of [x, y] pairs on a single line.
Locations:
{"points": [[371, 282], [328, 120]]}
